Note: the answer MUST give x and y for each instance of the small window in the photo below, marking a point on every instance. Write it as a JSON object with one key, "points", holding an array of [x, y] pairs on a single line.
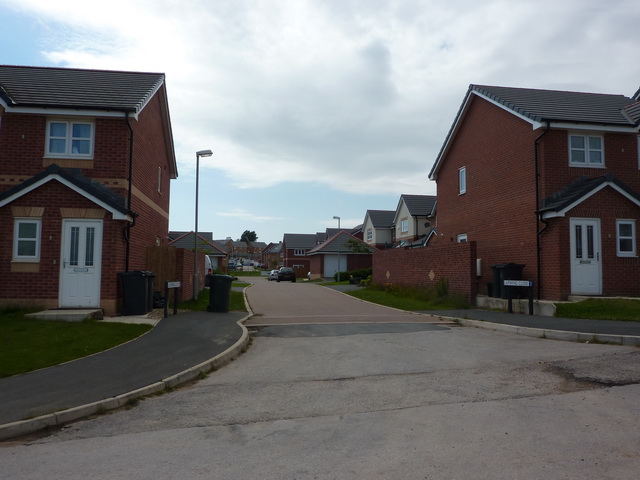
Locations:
{"points": [[369, 234], [586, 151], [404, 226], [159, 179], [626, 241], [299, 252], [69, 139], [462, 237], [462, 180], [26, 239]]}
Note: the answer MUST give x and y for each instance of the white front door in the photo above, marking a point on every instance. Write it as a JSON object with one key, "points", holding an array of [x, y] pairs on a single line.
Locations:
{"points": [[586, 276], [81, 263]]}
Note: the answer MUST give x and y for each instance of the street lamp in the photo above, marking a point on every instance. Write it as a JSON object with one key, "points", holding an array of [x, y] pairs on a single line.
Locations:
{"points": [[339, 248], [201, 153]]}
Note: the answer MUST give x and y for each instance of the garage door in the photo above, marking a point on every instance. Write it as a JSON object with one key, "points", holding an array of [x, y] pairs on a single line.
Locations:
{"points": [[331, 264]]}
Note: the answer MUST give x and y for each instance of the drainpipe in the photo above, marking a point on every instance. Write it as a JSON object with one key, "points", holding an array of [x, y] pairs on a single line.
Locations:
{"points": [[538, 215], [127, 229]]}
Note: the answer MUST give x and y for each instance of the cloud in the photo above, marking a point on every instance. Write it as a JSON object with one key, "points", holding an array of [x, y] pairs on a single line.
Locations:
{"points": [[245, 215], [355, 96]]}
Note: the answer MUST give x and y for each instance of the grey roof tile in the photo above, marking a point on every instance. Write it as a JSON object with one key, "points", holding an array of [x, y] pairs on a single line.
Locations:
{"points": [[554, 105], [420, 205], [22, 86], [381, 218], [579, 189]]}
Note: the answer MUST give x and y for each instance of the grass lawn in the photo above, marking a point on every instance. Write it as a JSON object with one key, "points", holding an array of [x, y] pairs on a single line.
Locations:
{"points": [[236, 301], [408, 299], [621, 309], [27, 344]]}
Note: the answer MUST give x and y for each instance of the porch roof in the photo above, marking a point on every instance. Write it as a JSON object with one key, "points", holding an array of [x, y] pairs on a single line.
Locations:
{"points": [[571, 195], [72, 178]]}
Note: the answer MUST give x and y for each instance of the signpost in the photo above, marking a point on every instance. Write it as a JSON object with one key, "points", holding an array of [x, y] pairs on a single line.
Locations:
{"points": [[519, 283], [175, 286]]}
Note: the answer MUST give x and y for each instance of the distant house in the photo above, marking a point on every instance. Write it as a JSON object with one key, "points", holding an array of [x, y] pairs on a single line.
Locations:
{"points": [[86, 159], [548, 180], [378, 228], [339, 253], [413, 218], [295, 247], [273, 255], [217, 253]]}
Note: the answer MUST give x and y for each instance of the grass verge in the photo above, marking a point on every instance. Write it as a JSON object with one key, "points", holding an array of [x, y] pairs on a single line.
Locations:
{"points": [[236, 302], [410, 299], [27, 344], [621, 309]]}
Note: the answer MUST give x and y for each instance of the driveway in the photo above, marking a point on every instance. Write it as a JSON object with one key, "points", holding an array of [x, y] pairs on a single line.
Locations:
{"points": [[281, 303], [336, 400]]}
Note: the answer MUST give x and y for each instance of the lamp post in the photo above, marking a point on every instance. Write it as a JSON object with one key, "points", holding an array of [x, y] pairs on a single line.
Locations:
{"points": [[339, 248], [201, 153]]}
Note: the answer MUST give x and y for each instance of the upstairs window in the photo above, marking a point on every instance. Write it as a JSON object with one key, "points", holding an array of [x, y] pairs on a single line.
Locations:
{"points": [[626, 241], [586, 150], [369, 234], [299, 252], [404, 226], [69, 139], [26, 239], [462, 180], [462, 237]]}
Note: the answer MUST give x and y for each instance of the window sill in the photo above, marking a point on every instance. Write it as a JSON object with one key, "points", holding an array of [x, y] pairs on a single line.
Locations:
{"points": [[22, 266], [584, 165]]}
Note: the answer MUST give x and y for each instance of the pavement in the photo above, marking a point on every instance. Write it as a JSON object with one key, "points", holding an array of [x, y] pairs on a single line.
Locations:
{"points": [[182, 348]]}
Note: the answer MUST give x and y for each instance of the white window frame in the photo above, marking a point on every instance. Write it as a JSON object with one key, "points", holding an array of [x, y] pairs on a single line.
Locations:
{"points": [[404, 226], [299, 252], [462, 237], [16, 239], [462, 180], [619, 251], [586, 151], [369, 234], [68, 139]]}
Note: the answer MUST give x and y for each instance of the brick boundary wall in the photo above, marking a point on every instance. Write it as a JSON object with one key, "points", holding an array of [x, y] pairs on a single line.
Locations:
{"points": [[423, 267]]}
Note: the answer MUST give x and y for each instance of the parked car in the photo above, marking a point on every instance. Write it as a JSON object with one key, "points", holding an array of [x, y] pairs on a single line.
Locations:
{"points": [[273, 275], [286, 273]]}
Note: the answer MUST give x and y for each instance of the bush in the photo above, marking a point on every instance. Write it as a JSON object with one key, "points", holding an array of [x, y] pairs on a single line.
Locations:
{"points": [[362, 273]]}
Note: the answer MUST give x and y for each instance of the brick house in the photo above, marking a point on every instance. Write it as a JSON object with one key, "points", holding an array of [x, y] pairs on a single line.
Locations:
{"points": [[295, 247], [378, 228], [337, 254], [273, 255], [86, 159], [216, 253], [545, 179], [413, 217]]}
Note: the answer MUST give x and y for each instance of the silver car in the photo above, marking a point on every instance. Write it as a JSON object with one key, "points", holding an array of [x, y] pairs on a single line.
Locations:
{"points": [[273, 275]]}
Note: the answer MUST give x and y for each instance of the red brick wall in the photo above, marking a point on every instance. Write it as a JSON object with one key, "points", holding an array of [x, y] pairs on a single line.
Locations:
{"points": [[45, 283], [425, 266], [498, 209]]}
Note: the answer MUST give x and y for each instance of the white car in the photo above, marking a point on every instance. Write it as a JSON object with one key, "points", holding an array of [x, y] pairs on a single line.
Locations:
{"points": [[273, 275]]}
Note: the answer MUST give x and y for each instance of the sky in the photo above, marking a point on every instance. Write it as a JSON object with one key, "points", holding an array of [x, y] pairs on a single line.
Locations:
{"points": [[322, 108]]}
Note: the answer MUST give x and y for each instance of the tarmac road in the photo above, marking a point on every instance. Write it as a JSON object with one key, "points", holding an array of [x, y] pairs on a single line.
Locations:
{"points": [[345, 401]]}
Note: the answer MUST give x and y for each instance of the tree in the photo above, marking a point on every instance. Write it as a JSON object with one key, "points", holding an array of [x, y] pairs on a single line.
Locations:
{"points": [[354, 246], [248, 236]]}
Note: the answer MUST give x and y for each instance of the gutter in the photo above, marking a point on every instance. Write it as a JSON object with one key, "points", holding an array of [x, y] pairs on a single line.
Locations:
{"points": [[127, 229], [538, 215]]}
